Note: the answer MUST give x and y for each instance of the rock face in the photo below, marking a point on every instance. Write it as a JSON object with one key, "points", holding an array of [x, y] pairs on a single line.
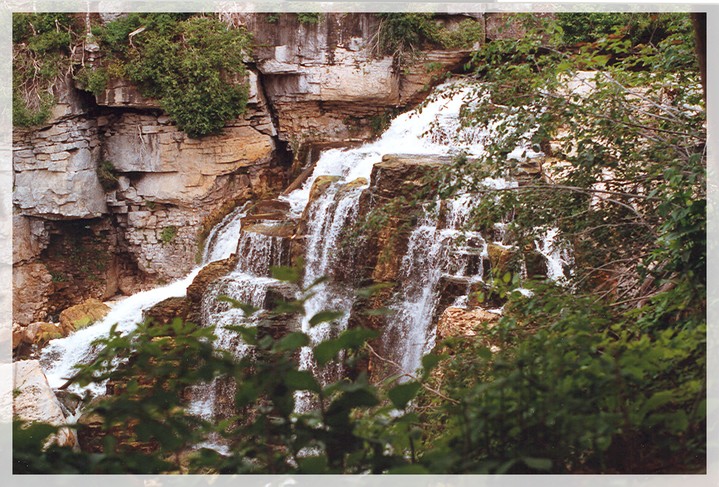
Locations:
{"points": [[115, 170], [34, 400], [327, 81], [459, 322], [83, 315], [55, 174]]}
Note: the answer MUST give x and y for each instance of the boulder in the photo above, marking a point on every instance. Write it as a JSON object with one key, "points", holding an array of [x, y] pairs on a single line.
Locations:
{"points": [[83, 315], [459, 322], [499, 257], [319, 186], [41, 332], [32, 284], [34, 400], [167, 310]]}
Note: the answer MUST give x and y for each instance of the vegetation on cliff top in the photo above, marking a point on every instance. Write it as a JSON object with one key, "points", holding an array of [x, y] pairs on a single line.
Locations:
{"points": [[192, 64], [41, 48]]}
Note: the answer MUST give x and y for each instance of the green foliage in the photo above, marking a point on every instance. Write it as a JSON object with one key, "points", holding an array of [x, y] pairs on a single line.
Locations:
{"points": [[638, 28], [272, 18], [93, 80], [43, 32], [468, 33], [24, 116], [168, 234], [309, 18], [41, 48], [192, 65], [573, 376], [347, 429], [608, 373], [107, 174], [604, 374], [405, 32]]}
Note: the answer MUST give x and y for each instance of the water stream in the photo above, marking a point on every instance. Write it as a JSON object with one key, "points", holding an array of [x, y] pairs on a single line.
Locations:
{"points": [[437, 248]]}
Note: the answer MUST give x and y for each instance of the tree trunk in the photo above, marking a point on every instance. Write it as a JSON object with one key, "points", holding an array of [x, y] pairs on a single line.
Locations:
{"points": [[699, 20]]}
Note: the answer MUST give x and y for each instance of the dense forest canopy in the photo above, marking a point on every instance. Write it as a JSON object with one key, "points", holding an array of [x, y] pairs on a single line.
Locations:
{"points": [[602, 372]]}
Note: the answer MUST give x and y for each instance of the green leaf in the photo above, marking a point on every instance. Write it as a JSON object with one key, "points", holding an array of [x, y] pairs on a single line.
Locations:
{"points": [[325, 316], [292, 341], [245, 394], [507, 277], [248, 333], [484, 353], [286, 274], [356, 337], [408, 470], [537, 463], [288, 307], [326, 351], [379, 312], [370, 291], [248, 309], [429, 362], [402, 394], [301, 380]]}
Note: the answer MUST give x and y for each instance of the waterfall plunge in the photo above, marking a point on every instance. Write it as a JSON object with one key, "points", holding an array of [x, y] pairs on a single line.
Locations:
{"points": [[434, 129]]}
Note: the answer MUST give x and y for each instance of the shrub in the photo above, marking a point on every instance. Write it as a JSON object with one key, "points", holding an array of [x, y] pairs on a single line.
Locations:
{"points": [[41, 47], [93, 80], [107, 175], [191, 65], [168, 234], [405, 32], [309, 18]]}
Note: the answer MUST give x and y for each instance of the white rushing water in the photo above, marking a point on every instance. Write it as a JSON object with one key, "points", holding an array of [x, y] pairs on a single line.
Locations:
{"points": [[221, 242], [60, 356], [437, 248], [433, 129]]}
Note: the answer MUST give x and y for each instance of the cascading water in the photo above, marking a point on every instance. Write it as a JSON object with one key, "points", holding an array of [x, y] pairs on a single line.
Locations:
{"points": [[221, 242], [437, 247], [60, 356]]}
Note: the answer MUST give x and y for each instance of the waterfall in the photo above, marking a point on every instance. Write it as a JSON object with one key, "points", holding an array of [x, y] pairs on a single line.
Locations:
{"points": [[221, 242], [433, 252], [60, 356], [438, 247]]}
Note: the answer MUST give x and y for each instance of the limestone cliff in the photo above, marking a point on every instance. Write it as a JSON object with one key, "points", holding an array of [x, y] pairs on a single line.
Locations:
{"points": [[110, 196]]}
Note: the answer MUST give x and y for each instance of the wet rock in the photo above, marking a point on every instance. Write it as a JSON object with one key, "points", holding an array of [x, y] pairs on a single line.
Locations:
{"points": [[167, 310], [280, 292], [279, 230], [459, 322], [32, 284], [69, 401], [34, 400], [90, 435], [210, 273], [499, 257], [320, 185], [267, 210], [83, 315], [400, 174], [352, 185]]}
